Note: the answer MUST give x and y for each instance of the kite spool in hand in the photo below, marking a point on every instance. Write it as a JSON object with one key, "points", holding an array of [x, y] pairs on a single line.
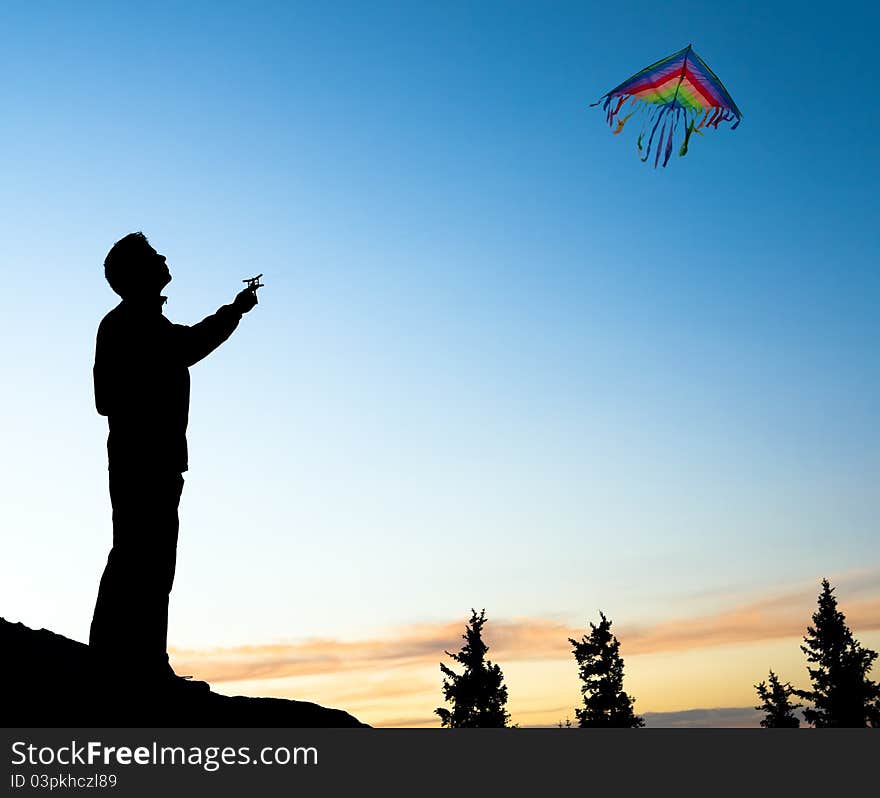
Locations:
{"points": [[253, 283]]}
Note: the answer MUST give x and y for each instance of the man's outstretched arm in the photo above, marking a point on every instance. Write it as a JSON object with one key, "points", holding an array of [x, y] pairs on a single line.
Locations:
{"points": [[201, 339]]}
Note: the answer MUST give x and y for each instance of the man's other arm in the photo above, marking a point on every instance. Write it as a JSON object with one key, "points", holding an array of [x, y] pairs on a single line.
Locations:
{"points": [[122, 368], [105, 368]]}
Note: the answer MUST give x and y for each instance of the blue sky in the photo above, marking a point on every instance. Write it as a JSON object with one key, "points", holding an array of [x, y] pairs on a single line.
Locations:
{"points": [[498, 361]]}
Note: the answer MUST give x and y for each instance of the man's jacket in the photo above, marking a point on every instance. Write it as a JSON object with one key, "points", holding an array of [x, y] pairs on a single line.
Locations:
{"points": [[141, 377]]}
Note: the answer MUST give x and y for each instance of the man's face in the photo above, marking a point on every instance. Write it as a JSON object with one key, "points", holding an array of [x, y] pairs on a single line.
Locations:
{"points": [[155, 269]]}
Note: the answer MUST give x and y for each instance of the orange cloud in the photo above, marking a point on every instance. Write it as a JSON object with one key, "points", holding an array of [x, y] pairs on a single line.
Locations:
{"points": [[527, 639], [770, 619]]}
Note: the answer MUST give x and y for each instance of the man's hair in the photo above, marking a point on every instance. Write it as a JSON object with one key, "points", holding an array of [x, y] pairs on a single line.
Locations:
{"points": [[123, 255]]}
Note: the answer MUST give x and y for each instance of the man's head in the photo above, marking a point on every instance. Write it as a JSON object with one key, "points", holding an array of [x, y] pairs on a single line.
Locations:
{"points": [[134, 269]]}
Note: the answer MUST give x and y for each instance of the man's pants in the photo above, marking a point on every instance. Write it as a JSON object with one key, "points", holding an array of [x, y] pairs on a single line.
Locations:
{"points": [[129, 629]]}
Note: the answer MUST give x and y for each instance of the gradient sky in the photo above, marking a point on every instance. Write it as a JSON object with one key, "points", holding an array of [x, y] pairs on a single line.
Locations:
{"points": [[498, 362]]}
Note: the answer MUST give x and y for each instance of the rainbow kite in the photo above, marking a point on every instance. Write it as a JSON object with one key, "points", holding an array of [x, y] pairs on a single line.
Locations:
{"points": [[680, 89]]}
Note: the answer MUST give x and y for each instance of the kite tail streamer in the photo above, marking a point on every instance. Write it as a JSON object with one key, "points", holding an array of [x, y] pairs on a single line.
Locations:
{"points": [[705, 117], [650, 116], [668, 151], [659, 117], [622, 122], [611, 114], [687, 137], [660, 140]]}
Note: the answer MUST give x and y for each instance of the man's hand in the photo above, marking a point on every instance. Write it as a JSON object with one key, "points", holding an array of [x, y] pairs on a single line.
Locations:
{"points": [[245, 300]]}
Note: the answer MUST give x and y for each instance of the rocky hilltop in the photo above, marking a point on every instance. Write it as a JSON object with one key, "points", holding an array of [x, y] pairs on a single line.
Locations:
{"points": [[47, 680]]}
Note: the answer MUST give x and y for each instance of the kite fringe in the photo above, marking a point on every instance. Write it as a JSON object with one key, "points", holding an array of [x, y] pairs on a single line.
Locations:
{"points": [[666, 118]]}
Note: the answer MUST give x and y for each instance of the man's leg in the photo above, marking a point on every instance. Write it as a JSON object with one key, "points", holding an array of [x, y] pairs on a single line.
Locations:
{"points": [[110, 634], [163, 565], [130, 625]]}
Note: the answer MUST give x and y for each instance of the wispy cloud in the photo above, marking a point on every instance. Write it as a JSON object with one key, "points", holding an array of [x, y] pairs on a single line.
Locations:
{"points": [[526, 639], [768, 619]]}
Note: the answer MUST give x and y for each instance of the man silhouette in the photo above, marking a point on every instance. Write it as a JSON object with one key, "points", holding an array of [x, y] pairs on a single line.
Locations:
{"points": [[142, 385]]}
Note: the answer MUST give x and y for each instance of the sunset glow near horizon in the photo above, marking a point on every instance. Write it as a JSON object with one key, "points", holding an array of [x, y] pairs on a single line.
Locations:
{"points": [[497, 362]]}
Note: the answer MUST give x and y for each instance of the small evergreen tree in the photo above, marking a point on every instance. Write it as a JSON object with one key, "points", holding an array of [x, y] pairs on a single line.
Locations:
{"points": [[478, 695], [776, 704], [842, 694], [601, 670]]}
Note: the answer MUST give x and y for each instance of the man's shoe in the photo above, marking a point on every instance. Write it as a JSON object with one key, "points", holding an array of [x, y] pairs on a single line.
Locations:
{"points": [[171, 681]]}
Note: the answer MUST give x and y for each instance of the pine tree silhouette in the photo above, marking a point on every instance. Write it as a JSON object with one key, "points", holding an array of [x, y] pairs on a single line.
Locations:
{"points": [[776, 704], [478, 695], [601, 670], [842, 694]]}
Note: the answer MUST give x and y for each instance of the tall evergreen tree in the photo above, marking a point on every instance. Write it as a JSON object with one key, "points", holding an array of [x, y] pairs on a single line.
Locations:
{"points": [[842, 694], [601, 670], [776, 704], [478, 695]]}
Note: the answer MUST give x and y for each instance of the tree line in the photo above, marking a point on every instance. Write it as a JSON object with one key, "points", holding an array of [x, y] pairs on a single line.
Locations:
{"points": [[841, 694]]}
